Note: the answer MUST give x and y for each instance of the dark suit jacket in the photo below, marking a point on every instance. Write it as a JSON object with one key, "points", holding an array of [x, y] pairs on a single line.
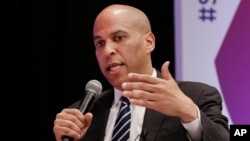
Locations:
{"points": [[161, 127]]}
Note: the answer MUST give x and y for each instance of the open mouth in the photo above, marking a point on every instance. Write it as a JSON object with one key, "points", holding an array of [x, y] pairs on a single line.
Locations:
{"points": [[114, 67]]}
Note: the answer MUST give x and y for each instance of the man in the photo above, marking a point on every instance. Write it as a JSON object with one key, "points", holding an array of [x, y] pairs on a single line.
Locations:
{"points": [[161, 108]]}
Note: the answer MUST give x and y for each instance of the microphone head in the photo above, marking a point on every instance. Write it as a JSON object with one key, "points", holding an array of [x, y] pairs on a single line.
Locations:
{"points": [[94, 86]]}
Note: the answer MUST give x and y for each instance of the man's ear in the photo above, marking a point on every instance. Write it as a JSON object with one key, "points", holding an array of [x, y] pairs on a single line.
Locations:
{"points": [[150, 41]]}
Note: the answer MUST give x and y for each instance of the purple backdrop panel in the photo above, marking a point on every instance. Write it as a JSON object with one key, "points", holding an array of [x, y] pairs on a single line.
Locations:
{"points": [[233, 66]]}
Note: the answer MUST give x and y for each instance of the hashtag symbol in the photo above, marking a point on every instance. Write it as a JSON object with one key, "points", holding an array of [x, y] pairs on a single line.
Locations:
{"points": [[207, 14]]}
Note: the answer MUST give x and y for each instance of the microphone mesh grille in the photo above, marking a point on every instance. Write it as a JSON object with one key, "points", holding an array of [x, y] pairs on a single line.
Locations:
{"points": [[94, 86]]}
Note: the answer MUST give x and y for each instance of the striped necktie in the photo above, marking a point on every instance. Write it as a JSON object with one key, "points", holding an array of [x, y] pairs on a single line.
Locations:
{"points": [[122, 124]]}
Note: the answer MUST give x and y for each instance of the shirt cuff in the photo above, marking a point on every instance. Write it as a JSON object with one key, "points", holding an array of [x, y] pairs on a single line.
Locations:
{"points": [[194, 127]]}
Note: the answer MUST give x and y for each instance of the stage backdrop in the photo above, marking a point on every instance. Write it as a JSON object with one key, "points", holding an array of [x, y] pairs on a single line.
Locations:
{"points": [[212, 45]]}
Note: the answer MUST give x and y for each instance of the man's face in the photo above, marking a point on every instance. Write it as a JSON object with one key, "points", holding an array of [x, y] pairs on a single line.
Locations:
{"points": [[120, 49]]}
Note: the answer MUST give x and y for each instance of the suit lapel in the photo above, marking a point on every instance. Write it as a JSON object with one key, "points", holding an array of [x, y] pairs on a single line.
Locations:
{"points": [[152, 123]]}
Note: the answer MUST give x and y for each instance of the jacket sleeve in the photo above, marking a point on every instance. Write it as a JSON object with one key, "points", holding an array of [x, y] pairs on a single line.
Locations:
{"points": [[208, 99]]}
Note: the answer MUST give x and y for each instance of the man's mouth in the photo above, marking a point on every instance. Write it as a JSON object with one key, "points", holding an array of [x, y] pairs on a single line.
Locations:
{"points": [[114, 66]]}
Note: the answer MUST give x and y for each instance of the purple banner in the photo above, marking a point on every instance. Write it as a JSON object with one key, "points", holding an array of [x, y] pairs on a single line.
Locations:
{"points": [[233, 65]]}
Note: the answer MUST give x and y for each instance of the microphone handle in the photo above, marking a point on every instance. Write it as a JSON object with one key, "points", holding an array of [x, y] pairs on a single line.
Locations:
{"points": [[87, 102]]}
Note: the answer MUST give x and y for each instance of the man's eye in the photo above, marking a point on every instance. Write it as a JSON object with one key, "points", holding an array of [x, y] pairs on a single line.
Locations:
{"points": [[118, 38], [100, 43]]}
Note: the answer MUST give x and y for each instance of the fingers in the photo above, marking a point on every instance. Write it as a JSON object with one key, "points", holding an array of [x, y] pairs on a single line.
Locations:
{"points": [[141, 82], [139, 95], [143, 102], [88, 119], [142, 86], [135, 77], [72, 117], [148, 79], [165, 71], [72, 123], [140, 89], [146, 90], [61, 131]]}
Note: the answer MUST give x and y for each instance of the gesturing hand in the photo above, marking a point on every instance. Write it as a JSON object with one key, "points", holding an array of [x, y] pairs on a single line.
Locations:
{"points": [[163, 95]]}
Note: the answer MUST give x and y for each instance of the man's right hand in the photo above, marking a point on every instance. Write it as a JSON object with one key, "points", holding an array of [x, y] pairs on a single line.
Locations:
{"points": [[71, 123]]}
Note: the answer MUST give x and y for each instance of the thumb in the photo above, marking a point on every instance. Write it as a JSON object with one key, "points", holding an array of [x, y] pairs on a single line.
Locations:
{"points": [[165, 71]]}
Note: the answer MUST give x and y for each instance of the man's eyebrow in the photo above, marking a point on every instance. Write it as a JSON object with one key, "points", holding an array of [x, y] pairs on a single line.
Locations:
{"points": [[96, 37], [111, 34], [118, 31]]}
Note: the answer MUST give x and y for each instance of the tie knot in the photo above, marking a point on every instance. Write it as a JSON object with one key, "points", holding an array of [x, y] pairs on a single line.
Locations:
{"points": [[124, 99]]}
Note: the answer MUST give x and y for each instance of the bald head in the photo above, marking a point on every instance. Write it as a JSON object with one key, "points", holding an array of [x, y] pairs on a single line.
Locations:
{"points": [[125, 13]]}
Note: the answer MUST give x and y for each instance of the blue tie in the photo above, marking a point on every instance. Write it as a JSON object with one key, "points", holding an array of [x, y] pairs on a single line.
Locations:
{"points": [[122, 123]]}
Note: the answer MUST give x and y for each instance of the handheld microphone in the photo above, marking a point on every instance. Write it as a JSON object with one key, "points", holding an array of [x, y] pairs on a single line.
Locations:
{"points": [[92, 89]]}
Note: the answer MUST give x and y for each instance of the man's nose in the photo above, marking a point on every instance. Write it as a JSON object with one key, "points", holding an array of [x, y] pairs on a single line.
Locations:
{"points": [[109, 49]]}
